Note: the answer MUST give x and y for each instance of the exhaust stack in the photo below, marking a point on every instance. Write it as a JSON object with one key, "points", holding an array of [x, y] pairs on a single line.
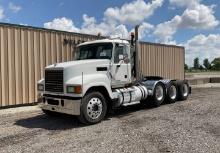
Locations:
{"points": [[137, 63]]}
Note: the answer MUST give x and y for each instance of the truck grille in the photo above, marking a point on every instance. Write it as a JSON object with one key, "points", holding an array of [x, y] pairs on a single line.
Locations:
{"points": [[54, 80]]}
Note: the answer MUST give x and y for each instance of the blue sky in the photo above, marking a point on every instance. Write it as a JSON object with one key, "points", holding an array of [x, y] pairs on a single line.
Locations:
{"points": [[190, 23]]}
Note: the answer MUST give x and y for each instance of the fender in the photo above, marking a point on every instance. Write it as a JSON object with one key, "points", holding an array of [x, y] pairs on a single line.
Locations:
{"points": [[166, 82], [150, 84], [92, 80]]}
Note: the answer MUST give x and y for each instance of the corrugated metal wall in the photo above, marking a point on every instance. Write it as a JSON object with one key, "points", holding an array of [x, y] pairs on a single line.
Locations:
{"points": [[25, 51], [162, 60]]}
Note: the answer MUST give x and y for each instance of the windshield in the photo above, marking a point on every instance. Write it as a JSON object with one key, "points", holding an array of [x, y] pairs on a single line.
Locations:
{"points": [[94, 51]]}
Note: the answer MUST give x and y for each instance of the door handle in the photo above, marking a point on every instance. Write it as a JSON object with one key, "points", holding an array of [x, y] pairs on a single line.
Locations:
{"points": [[118, 65]]}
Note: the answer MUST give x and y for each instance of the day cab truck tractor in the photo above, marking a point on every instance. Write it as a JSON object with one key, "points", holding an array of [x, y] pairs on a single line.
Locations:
{"points": [[104, 75]]}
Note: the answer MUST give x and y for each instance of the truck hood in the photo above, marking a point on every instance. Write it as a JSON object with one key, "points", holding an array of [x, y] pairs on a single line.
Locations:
{"points": [[89, 62], [75, 69]]}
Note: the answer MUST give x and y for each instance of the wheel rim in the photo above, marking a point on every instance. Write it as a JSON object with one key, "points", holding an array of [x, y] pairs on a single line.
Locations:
{"points": [[185, 90], [159, 93], [173, 92], [94, 108]]}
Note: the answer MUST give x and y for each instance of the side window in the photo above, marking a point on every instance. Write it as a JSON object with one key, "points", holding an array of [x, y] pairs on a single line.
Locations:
{"points": [[119, 50], [104, 53]]}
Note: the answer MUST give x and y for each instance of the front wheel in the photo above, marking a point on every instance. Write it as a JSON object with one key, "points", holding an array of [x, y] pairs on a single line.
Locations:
{"points": [[93, 108]]}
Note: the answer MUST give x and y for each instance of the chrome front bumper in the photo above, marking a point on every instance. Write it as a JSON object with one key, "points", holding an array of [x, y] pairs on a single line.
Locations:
{"points": [[65, 106]]}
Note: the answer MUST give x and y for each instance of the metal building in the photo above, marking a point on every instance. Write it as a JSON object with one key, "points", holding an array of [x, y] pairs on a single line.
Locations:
{"points": [[25, 51]]}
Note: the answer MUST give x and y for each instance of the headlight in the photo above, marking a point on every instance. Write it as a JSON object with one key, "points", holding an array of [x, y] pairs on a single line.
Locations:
{"points": [[40, 87], [74, 89]]}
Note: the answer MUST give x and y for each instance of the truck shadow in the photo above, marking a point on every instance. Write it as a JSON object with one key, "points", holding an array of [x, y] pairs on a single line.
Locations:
{"points": [[64, 122], [60, 122], [128, 110]]}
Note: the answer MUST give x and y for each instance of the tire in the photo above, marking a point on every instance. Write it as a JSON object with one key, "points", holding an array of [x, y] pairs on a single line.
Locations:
{"points": [[93, 108], [183, 90], [50, 113], [159, 95], [172, 92]]}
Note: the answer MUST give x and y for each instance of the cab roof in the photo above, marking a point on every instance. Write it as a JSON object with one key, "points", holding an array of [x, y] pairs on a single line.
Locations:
{"points": [[105, 41]]}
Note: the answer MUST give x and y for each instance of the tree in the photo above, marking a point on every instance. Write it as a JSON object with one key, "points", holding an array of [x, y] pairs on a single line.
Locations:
{"points": [[186, 67], [196, 63], [216, 64], [207, 64], [201, 67]]}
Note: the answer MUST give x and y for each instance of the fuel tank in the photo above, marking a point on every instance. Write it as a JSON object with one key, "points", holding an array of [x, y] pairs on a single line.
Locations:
{"points": [[131, 94]]}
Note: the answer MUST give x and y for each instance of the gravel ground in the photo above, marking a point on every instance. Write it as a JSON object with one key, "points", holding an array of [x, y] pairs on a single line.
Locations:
{"points": [[187, 126]]}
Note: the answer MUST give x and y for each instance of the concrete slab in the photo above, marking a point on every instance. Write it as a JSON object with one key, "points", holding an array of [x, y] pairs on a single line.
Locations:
{"points": [[215, 80], [195, 81]]}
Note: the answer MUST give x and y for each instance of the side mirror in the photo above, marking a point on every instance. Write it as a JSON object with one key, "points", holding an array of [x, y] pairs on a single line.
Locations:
{"points": [[121, 57]]}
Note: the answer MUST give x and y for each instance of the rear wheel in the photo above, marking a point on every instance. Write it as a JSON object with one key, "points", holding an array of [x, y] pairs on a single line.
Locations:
{"points": [[183, 90], [159, 95], [172, 92], [93, 108]]}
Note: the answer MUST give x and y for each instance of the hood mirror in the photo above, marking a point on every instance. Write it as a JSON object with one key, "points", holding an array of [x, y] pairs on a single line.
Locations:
{"points": [[124, 58], [121, 57]]}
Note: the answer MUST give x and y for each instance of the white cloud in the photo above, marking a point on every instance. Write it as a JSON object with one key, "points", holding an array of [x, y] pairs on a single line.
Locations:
{"points": [[196, 16], [14, 8], [63, 23], [1, 13], [200, 16], [166, 30], [133, 13], [107, 28], [144, 29], [184, 3], [91, 26], [114, 22], [88, 20], [203, 47], [121, 31]]}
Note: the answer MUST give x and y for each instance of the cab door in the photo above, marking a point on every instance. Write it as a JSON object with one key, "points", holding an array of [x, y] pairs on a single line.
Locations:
{"points": [[120, 69]]}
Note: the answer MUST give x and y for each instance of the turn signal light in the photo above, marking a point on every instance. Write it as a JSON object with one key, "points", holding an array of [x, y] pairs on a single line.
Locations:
{"points": [[74, 89], [78, 89]]}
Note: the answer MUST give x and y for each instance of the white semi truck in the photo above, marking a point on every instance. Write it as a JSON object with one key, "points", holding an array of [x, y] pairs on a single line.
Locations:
{"points": [[104, 75]]}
